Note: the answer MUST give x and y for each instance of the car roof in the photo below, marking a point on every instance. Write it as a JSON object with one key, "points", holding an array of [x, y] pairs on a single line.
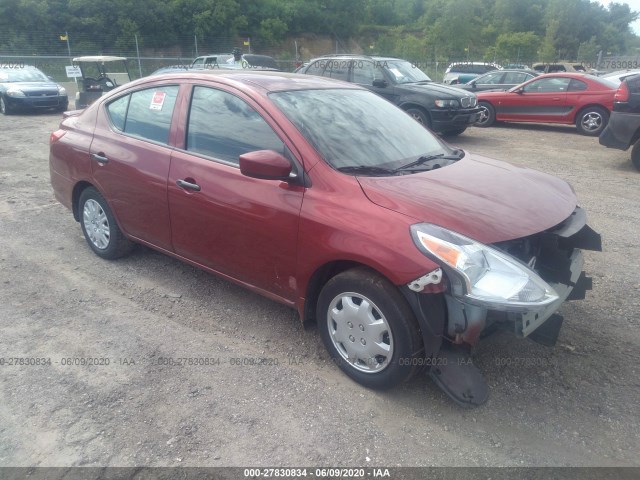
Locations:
{"points": [[99, 58], [264, 80], [356, 55]]}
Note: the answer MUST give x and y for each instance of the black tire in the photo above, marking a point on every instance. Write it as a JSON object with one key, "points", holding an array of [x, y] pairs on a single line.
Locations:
{"points": [[487, 115], [454, 133], [394, 327], [591, 121], [419, 116], [100, 229], [4, 108], [635, 155]]}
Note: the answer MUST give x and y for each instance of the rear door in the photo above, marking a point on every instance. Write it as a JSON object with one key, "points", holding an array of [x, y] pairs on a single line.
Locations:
{"points": [[242, 227], [130, 161]]}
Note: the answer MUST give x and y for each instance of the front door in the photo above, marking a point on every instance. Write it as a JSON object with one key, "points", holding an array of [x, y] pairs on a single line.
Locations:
{"points": [[242, 227]]}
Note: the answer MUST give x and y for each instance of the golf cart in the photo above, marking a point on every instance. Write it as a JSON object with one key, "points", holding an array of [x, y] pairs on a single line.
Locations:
{"points": [[100, 74]]}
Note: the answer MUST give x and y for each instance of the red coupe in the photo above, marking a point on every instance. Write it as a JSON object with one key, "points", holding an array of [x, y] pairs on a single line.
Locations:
{"points": [[568, 98], [326, 197]]}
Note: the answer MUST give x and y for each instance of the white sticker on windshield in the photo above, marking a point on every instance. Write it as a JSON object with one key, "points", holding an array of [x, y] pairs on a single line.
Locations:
{"points": [[396, 72], [157, 101]]}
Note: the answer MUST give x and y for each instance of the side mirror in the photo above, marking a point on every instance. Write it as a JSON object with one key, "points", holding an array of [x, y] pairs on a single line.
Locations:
{"points": [[380, 83], [519, 91], [265, 164]]}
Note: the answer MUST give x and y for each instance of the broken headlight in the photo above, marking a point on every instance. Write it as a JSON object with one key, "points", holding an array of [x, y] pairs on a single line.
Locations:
{"points": [[482, 274]]}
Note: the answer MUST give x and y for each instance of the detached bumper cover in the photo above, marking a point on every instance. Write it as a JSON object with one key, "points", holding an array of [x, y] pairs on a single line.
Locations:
{"points": [[620, 131], [528, 322]]}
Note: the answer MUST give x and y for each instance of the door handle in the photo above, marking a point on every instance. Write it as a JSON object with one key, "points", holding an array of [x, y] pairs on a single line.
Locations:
{"points": [[556, 99], [100, 158], [188, 185]]}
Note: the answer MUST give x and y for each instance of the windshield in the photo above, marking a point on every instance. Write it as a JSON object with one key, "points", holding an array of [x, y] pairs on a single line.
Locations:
{"points": [[22, 75], [404, 72], [356, 128]]}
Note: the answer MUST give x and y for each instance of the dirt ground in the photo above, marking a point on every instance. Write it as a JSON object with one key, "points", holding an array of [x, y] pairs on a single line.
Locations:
{"points": [[576, 404]]}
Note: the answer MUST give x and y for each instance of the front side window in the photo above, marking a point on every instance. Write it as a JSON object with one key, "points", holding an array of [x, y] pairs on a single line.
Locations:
{"points": [[548, 85], [404, 72], [224, 127], [516, 78]]}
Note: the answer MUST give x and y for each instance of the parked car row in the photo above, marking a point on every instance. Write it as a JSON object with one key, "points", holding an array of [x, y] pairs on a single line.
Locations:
{"points": [[442, 108]]}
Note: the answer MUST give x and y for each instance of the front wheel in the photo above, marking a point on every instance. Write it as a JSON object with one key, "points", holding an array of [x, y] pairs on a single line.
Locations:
{"points": [[419, 116], [369, 329], [454, 133], [4, 108], [100, 228], [592, 120], [487, 115], [635, 155]]}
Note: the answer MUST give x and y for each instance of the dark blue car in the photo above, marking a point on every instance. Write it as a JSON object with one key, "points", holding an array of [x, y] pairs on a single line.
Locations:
{"points": [[24, 88]]}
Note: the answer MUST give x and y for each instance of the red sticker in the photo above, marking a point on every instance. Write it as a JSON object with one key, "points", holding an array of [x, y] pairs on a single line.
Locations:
{"points": [[157, 101]]}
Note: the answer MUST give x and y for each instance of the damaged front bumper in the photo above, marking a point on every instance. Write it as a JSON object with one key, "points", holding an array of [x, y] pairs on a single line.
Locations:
{"points": [[453, 325]]}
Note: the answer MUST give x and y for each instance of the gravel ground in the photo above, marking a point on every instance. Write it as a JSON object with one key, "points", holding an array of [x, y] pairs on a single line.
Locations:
{"points": [[572, 405]]}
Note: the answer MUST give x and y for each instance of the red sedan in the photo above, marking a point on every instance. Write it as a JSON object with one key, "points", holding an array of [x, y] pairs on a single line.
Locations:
{"points": [[326, 197], [568, 98]]}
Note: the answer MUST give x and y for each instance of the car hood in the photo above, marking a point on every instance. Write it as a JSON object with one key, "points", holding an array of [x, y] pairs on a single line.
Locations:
{"points": [[484, 199], [30, 86], [435, 88]]}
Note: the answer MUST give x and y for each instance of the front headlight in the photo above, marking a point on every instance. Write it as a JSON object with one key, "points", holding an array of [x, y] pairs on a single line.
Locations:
{"points": [[447, 103], [480, 273], [62, 90], [14, 92]]}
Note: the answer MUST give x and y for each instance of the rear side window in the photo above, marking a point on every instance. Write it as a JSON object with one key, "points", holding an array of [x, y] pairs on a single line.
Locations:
{"points": [[338, 69], [316, 68], [577, 86], [149, 114], [634, 84], [224, 127], [145, 113]]}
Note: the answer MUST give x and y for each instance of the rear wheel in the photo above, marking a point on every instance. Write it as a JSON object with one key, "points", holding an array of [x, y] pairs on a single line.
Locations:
{"points": [[100, 228], [368, 328], [592, 120], [635, 155], [487, 115]]}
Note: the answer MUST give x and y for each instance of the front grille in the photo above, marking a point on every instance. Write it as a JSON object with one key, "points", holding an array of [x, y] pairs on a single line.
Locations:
{"points": [[468, 102], [42, 93]]}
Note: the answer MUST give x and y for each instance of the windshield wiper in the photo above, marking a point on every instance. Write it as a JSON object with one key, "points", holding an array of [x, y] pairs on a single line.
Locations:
{"points": [[457, 155], [366, 169]]}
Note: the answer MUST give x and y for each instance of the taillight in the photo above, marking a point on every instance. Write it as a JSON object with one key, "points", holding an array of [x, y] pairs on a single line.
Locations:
{"points": [[622, 95], [55, 136]]}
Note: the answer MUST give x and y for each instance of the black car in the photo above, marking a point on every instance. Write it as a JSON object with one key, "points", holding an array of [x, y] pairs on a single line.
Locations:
{"points": [[498, 80], [623, 129], [25, 88], [441, 108]]}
